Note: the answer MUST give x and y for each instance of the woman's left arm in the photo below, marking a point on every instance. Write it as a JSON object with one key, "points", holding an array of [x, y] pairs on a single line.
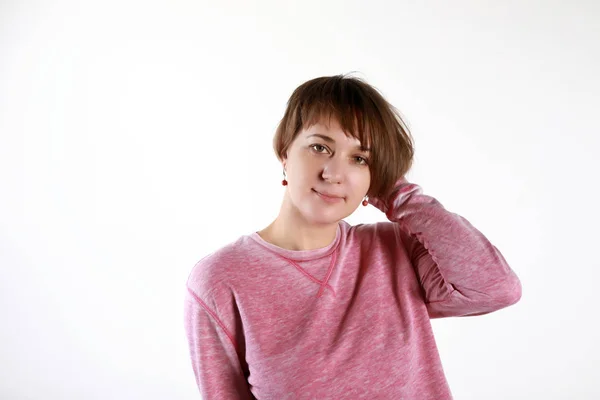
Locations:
{"points": [[461, 272]]}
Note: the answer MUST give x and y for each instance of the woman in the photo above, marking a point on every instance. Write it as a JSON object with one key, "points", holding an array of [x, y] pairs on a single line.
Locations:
{"points": [[311, 307]]}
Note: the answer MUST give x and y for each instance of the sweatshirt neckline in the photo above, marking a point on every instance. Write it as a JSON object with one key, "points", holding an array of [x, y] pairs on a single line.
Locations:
{"points": [[301, 255]]}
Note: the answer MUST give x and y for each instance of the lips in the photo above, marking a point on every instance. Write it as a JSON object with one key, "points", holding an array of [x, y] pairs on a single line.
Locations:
{"points": [[333, 196]]}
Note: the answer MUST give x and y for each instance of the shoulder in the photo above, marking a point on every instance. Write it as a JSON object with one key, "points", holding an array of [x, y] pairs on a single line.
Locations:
{"points": [[377, 231], [214, 271], [384, 235]]}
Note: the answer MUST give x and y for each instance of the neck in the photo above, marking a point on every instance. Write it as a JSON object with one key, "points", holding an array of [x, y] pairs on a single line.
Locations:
{"points": [[291, 231]]}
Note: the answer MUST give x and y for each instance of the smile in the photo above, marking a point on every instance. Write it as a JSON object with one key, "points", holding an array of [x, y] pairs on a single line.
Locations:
{"points": [[328, 198]]}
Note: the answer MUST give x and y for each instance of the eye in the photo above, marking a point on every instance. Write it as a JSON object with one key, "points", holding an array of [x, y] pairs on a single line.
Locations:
{"points": [[360, 160], [313, 146], [364, 160]]}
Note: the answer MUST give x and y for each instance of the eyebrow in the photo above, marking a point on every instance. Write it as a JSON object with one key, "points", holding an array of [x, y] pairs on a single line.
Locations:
{"points": [[331, 140]]}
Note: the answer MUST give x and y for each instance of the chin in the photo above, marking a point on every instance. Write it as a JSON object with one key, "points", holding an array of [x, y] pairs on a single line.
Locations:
{"points": [[324, 217], [315, 211]]}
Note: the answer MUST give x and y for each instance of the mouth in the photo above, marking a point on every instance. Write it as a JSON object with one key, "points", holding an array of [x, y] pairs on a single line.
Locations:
{"points": [[331, 199]]}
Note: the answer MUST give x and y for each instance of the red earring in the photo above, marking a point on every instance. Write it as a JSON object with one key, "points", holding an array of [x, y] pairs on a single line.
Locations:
{"points": [[284, 182], [365, 202]]}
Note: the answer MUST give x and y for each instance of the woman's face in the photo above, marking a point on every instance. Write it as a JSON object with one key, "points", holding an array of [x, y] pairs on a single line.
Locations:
{"points": [[322, 159]]}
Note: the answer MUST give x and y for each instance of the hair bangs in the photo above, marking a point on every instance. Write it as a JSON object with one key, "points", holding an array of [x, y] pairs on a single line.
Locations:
{"points": [[347, 105]]}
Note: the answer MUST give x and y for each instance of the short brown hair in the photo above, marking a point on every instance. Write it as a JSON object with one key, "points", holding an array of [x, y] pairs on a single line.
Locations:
{"points": [[363, 113]]}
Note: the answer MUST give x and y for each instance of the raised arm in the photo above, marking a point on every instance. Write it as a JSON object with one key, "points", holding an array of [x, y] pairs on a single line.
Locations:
{"points": [[461, 272]]}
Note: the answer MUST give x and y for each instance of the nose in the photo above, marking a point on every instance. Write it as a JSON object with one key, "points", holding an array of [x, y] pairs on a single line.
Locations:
{"points": [[333, 170]]}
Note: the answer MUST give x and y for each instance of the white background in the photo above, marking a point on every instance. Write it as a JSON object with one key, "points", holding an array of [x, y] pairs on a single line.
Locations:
{"points": [[135, 138]]}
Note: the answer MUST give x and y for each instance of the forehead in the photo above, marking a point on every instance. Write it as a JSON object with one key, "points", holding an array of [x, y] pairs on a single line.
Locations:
{"points": [[332, 129]]}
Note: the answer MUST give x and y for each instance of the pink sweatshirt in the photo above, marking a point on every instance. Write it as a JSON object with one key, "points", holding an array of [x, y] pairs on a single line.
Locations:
{"points": [[347, 321]]}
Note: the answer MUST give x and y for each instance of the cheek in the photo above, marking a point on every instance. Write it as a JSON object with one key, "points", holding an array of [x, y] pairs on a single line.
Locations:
{"points": [[362, 181], [307, 167]]}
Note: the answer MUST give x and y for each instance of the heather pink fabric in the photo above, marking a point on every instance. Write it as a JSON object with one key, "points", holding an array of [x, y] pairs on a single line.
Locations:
{"points": [[347, 321]]}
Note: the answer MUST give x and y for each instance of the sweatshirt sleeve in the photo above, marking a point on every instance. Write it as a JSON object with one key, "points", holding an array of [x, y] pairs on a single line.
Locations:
{"points": [[460, 271], [213, 352]]}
